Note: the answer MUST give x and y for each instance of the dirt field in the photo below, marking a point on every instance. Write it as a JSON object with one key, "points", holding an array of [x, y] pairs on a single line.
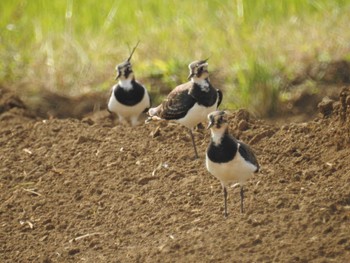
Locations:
{"points": [[94, 191]]}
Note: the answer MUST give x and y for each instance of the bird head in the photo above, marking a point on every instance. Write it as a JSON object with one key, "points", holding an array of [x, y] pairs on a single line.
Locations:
{"points": [[217, 120], [198, 69], [124, 69]]}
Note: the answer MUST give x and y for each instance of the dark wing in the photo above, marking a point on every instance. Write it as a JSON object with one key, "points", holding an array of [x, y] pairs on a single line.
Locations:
{"points": [[248, 154], [178, 103], [150, 100], [220, 97]]}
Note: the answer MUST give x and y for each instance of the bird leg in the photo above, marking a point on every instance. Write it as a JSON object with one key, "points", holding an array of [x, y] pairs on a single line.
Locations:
{"points": [[134, 121], [194, 144], [225, 200], [122, 120], [242, 198]]}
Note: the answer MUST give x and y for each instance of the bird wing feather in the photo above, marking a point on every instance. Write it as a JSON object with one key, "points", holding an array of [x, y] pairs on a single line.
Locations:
{"points": [[178, 102], [248, 154]]}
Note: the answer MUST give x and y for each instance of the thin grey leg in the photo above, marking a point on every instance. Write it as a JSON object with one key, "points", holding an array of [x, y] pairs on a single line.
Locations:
{"points": [[194, 144], [225, 200], [242, 198]]}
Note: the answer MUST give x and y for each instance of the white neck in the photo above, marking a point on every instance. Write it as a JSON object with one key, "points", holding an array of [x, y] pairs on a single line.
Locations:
{"points": [[203, 83], [217, 134], [125, 83]]}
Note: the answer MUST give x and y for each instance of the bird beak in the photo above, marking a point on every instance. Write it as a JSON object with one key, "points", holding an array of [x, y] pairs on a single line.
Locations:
{"points": [[210, 124], [190, 76], [118, 76]]}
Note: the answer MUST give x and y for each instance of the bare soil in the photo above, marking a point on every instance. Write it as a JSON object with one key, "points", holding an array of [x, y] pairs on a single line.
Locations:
{"points": [[92, 190]]}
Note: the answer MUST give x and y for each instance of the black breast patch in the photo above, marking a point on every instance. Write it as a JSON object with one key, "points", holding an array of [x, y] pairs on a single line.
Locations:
{"points": [[224, 152], [130, 97], [204, 98]]}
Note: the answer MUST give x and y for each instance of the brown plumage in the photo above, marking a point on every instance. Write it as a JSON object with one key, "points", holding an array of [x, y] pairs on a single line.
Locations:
{"points": [[191, 102]]}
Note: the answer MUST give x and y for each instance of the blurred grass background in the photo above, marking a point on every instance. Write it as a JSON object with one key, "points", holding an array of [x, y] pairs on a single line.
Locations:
{"points": [[254, 46]]}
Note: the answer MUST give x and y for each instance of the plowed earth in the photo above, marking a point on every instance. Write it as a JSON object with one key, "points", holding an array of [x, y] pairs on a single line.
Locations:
{"points": [[93, 190]]}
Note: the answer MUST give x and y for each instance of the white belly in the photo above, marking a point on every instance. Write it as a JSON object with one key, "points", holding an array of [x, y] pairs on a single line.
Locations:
{"points": [[196, 115], [238, 170]]}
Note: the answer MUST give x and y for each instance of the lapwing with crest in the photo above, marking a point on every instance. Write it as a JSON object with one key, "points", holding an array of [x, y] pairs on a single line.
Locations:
{"points": [[129, 98], [228, 159], [191, 102]]}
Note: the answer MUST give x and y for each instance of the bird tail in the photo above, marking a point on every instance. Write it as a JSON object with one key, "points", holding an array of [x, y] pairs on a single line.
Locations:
{"points": [[153, 114]]}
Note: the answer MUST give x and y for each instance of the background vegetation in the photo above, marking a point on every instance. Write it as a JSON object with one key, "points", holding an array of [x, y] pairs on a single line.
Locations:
{"points": [[72, 46]]}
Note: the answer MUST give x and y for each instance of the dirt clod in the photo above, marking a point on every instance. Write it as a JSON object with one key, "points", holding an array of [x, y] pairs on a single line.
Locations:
{"points": [[243, 125], [326, 106]]}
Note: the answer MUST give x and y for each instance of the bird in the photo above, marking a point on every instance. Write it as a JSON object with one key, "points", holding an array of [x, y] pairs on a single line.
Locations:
{"points": [[128, 98], [227, 158], [191, 102]]}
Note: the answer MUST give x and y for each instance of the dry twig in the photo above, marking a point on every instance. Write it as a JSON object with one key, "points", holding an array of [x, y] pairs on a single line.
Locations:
{"points": [[84, 236], [31, 191]]}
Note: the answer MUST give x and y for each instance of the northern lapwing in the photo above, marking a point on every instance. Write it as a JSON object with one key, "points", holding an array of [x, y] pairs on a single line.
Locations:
{"points": [[227, 158], [129, 98], [191, 102]]}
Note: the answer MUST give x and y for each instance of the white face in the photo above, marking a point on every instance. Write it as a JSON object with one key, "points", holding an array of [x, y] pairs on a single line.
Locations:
{"points": [[203, 71], [126, 73], [218, 120]]}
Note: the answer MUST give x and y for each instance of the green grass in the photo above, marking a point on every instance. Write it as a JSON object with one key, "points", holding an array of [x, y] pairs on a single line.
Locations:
{"points": [[73, 46]]}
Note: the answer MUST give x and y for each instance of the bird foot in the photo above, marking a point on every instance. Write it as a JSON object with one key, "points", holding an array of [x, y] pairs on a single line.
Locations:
{"points": [[152, 118]]}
